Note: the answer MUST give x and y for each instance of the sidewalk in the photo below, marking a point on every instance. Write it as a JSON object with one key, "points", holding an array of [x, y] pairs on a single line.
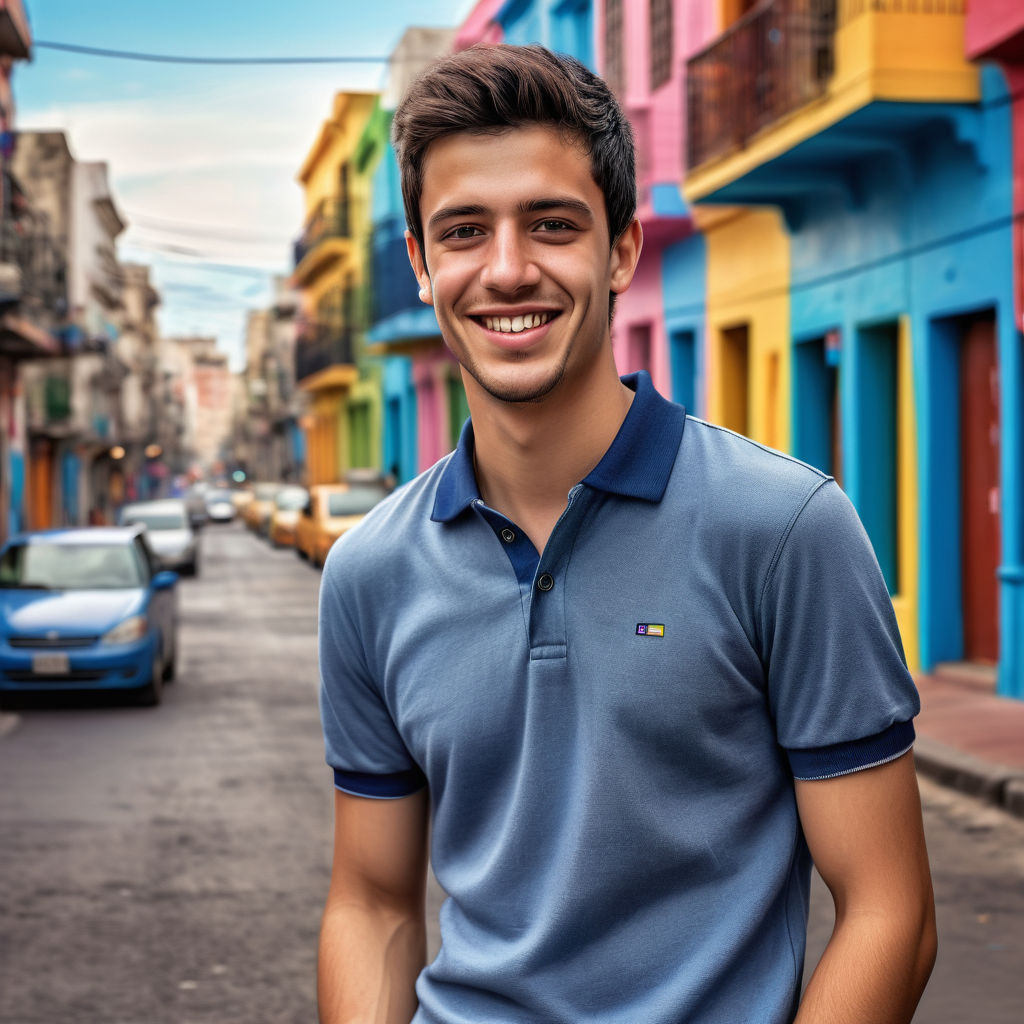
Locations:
{"points": [[970, 739]]}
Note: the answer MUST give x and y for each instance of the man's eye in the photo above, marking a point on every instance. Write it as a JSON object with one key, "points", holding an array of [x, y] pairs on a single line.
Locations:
{"points": [[555, 225], [463, 231]]}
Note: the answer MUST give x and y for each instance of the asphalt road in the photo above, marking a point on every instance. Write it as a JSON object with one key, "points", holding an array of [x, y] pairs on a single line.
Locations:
{"points": [[168, 865]]}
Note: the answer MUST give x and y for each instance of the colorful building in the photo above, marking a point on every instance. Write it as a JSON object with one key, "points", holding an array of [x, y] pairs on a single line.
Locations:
{"points": [[329, 271], [424, 400], [640, 53], [995, 32], [878, 159]]}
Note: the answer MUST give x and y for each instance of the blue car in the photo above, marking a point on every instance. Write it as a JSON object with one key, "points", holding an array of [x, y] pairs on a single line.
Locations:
{"points": [[86, 609]]}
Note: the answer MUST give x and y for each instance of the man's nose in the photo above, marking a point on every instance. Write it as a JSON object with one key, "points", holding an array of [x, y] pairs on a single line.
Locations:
{"points": [[510, 265]]}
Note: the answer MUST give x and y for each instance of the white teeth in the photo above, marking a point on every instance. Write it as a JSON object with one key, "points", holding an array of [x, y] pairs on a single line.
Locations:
{"points": [[515, 324]]}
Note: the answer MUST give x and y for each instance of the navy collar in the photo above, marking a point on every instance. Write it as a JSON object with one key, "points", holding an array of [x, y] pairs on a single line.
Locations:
{"points": [[637, 464]]}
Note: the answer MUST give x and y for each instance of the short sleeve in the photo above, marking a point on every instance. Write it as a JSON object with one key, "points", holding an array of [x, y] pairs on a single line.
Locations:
{"points": [[362, 744], [840, 693]]}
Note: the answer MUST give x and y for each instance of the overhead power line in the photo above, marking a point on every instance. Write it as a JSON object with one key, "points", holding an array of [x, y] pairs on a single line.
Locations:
{"points": [[165, 58]]}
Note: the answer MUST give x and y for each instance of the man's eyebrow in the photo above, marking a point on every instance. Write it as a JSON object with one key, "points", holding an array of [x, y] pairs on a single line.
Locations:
{"points": [[455, 211], [557, 203], [540, 205]]}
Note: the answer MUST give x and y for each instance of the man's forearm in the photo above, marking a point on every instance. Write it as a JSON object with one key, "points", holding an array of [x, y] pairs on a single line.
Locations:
{"points": [[368, 963], [873, 971]]}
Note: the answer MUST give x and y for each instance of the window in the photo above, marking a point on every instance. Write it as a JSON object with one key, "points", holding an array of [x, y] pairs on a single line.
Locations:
{"points": [[614, 71], [661, 42]]}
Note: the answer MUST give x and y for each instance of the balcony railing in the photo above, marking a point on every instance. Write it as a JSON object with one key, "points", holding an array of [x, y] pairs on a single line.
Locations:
{"points": [[772, 61], [41, 271], [850, 9], [319, 345], [329, 220], [394, 284]]}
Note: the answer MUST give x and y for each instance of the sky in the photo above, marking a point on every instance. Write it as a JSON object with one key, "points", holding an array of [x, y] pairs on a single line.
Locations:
{"points": [[203, 159]]}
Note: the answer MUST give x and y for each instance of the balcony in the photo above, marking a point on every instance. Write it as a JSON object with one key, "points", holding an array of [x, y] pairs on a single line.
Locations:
{"points": [[33, 268], [793, 71], [772, 61], [15, 34], [329, 223], [321, 347]]}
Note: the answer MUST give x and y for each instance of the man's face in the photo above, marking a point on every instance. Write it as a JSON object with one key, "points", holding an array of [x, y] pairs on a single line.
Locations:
{"points": [[520, 262]]}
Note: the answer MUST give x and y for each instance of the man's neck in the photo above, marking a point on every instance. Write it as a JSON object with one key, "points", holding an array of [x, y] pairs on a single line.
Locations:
{"points": [[528, 457]]}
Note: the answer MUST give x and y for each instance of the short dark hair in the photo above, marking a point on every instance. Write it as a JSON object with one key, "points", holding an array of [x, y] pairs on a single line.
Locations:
{"points": [[491, 88]]}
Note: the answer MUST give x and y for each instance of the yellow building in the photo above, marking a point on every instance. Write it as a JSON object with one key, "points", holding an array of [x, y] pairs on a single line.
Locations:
{"points": [[330, 275]]}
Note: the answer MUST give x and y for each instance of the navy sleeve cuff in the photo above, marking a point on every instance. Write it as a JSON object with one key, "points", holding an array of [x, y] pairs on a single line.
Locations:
{"points": [[380, 787], [843, 758]]}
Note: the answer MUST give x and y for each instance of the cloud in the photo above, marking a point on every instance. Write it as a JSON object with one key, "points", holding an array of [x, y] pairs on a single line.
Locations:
{"points": [[221, 153]]}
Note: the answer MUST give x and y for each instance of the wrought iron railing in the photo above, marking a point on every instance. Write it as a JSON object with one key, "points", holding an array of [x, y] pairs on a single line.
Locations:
{"points": [[850, 9], [330, 219], [772, 61], [394, 284], [319, 345], [26, 243]]}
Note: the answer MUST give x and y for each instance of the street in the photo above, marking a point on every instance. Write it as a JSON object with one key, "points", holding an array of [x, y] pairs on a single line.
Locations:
{"points": [[168, 865]]}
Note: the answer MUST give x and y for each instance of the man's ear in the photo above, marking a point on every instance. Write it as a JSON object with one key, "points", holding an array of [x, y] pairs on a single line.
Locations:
{"points": [[626, 255], [419, 268]]}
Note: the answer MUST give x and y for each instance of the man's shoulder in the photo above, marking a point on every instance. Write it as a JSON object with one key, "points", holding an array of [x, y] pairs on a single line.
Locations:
{"points": [[739, 475]]}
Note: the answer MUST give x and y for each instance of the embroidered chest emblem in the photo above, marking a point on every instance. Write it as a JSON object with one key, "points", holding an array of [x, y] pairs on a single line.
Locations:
{"points": [[650, 629]]}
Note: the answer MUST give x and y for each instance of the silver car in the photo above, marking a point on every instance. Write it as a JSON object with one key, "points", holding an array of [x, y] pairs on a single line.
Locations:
{"points": [[168, 531]]}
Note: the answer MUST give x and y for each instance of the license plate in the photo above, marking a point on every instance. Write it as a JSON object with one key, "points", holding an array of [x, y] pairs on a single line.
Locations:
{"points": [[50, 664]]}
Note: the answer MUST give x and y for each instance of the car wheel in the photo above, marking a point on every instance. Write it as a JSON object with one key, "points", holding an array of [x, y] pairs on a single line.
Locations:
{"points": [[171, 668], [151, 694]]}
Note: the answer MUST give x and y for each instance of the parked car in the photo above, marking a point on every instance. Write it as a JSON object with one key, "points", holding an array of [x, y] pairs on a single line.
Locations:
{"points": [[195, 505], [220, 508], [331, 510], [257, 513], [86, 609], [285, 514], [169, 531]]}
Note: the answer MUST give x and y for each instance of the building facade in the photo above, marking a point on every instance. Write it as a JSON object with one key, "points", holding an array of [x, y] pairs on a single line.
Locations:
{"points": [[329, 264]]}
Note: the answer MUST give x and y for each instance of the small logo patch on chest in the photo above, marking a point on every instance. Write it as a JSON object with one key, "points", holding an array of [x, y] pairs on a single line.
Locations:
{"points": [[650, 629]]}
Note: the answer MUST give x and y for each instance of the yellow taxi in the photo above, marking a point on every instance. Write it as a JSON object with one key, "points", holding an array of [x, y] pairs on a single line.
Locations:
{"points": [[284, 516], [331, 510], [256, 513]]}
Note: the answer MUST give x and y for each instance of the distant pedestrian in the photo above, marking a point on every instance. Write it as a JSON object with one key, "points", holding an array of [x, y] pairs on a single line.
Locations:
{"points": [[636, 670]]}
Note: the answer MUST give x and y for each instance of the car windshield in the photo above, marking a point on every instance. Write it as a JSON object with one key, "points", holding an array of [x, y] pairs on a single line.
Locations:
{"points": [[353, 502], [156, 520], [215, 496], [291, 498], [52, 566]]}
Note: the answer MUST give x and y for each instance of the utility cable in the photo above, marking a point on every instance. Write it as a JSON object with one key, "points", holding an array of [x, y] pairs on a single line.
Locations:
{"points": [[165, 58]]}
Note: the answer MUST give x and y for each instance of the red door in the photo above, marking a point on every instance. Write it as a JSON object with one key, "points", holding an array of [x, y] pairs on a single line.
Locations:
{"points": [[979, 490]]}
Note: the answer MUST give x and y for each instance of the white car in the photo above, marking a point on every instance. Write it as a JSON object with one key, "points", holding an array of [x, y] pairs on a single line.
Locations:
{"points": [[220, 508], [168, 531]]}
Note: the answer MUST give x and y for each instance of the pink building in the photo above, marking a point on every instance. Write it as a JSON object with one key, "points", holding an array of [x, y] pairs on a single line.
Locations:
{"points": [[641, 52], [995, 32]]}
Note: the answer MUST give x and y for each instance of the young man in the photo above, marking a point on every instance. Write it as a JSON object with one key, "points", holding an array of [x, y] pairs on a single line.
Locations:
{"points": [[635, 669]]}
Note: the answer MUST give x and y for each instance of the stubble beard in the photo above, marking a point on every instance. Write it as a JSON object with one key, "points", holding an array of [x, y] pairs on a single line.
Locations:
{"points": [[513, 393]]}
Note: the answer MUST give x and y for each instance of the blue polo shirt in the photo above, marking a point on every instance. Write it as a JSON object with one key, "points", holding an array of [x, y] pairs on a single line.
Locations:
{"points": [[610, 730]]}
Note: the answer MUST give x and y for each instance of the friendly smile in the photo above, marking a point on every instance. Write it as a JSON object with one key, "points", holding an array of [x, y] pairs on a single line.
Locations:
{"points": [[515, 324]]}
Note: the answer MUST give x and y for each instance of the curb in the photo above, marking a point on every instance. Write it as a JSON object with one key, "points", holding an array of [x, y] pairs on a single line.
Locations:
{"points": [[993, 783]]}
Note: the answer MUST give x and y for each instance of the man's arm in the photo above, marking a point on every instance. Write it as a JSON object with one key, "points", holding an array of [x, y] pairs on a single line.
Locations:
{"points": [[373, 934], [866, 836]]}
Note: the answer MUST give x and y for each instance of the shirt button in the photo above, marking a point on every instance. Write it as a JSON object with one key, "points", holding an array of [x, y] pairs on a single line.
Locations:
{"points": [[545, 582], [508, 535]]}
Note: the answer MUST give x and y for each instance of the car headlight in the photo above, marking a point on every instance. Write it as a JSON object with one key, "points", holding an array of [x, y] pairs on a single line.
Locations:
{"points": [[127, 631]]}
